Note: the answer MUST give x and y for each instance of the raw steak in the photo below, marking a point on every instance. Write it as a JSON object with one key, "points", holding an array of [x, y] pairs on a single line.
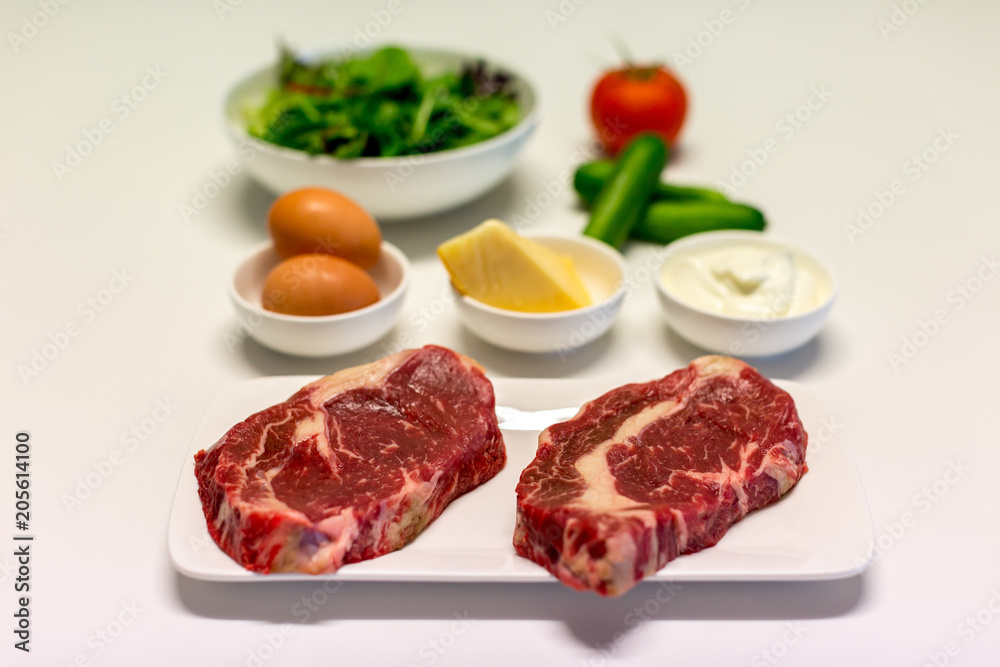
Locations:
{"points": [[650, 471], [352, 466]]}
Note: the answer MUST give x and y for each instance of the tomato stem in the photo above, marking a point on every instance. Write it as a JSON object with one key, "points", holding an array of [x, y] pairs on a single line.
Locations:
{"points": [[642, 73], [619, 44]]}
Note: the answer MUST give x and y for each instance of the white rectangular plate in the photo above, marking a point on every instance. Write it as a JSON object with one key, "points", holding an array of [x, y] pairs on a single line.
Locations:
{"points": [[820, 530]]}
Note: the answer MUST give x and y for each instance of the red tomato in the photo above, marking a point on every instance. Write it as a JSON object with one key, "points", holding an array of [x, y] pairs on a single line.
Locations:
{"points": [[631, 100]]}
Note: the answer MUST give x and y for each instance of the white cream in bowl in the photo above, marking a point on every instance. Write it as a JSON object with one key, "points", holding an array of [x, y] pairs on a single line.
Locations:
{"points": [[744, 293]]}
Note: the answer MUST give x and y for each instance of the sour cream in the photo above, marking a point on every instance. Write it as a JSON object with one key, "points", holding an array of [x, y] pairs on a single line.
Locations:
{"points": [[747, 279]]}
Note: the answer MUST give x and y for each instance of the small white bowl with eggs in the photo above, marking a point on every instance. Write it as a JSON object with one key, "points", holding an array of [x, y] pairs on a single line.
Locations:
{"points": [[601, 269], [744, 293], [323, 335]]}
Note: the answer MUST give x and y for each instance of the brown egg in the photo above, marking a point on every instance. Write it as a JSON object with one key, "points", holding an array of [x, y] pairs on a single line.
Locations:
{"points": [[317, 284], [317, 220]]}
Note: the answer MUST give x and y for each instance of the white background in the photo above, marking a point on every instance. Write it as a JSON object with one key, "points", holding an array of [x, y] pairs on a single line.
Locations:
{"points": [[163, 337]]}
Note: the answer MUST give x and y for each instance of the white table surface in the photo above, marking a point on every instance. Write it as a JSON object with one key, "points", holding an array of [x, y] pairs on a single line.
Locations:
{"points": [[102, 588]]}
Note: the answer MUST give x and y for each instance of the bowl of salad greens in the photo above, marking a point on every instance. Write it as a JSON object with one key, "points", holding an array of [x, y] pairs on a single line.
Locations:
{"points": [[404, 132]]}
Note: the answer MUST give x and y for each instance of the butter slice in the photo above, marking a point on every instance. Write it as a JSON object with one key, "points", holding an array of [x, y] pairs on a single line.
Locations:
{"points": [[494, 265]]}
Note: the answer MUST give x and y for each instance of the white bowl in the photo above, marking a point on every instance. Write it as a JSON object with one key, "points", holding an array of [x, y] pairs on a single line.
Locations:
{"points": [[744, 336], [388, 188], [328, 334], [602, 270]]}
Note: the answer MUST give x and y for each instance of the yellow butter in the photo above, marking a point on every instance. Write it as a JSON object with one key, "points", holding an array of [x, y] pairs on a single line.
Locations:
{"points": [[494, 265]]}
